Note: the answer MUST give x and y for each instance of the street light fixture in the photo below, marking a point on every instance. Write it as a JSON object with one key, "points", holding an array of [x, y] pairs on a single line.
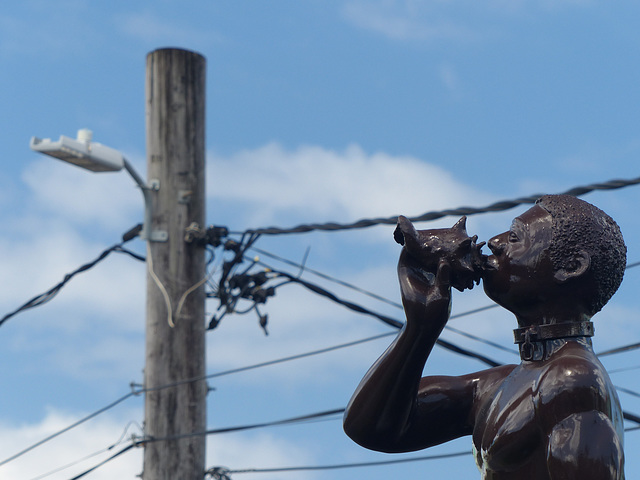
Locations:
{"points": [[81, 152], [96, 157]]}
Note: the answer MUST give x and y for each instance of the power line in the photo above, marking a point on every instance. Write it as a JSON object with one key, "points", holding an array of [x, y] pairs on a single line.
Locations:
{"points": [[398, 324], [215, 375], [292, 357], [302, 355], [350, 305], [251, 286], [267, 363], [287, 421], [304, 268], [86, 457], [132, 254], [247, 280], [631, 416], [47, 296], [386, 300], [70, 427], [627, 415], [139, 443], [238, 370], [107, 460], [494, 207], [253, 426], [221, 473], [388, 320], [623, 369], [480, 339], [624, 348], [628, 391], [118, 248], [271, 362], [72, 464], [398, 305]]}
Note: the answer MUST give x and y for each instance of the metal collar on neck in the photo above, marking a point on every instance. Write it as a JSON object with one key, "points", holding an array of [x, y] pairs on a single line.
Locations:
{"points": [[528, 336]]}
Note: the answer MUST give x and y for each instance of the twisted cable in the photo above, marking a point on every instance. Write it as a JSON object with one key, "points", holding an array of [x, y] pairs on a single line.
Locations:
{"points": [[494, 207]]}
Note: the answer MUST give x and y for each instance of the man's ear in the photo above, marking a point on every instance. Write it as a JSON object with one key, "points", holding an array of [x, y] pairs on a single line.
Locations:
{"points": [[575, 268]]}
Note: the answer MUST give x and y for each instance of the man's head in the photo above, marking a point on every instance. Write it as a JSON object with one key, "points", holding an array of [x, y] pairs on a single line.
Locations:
{"points": [[578, 228]]}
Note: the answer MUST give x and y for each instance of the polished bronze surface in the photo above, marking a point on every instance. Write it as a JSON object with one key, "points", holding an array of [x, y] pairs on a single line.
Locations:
{"points": [[556, 414], [427, 248]]}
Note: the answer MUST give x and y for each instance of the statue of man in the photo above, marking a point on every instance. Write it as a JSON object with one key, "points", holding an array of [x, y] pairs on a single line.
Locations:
{"points": [[553, 416]]}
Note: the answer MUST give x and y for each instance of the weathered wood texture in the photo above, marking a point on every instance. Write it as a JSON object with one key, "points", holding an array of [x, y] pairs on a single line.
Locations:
{"points": [[175, 116]]}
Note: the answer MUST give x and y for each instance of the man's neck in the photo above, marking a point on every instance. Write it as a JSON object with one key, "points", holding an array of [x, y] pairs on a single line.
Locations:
{"points": [[551, 316], [540, 342]]}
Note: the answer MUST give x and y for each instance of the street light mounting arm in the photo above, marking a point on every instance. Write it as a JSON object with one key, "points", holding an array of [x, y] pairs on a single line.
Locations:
{"points": [[146, 189], [96, 157]]}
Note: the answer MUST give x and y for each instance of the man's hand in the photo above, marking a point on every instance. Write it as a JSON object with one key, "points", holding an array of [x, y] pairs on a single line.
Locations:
{"points": [[426, 296]]}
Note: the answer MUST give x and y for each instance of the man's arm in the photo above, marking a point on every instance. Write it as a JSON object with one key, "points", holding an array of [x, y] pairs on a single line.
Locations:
{"points": [[393, 410]]}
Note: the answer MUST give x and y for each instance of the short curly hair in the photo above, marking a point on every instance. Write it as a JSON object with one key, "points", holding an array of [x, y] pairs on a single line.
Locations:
{"points": [[578, 225]]}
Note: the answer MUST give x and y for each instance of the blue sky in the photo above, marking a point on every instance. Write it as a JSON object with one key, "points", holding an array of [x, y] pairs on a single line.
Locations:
{"points": [[316, 111]]}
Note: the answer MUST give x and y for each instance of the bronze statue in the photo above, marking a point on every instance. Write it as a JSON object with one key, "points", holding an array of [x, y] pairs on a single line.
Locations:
{"points": [[555, 415]]}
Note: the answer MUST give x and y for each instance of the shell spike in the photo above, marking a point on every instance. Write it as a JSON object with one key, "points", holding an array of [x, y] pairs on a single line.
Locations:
{"points": [[461, 224]]}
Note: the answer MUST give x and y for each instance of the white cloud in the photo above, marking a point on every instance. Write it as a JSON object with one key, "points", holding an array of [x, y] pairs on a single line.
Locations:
{"points": [[64, 210], [257, 451], [271, 184], [50, 234], [299, 322], [113, 288], [91, 440], [265, 185], [308, 184], [403, 21], [87, 439], [101, 311], [316, 184], [443, 20], [101, 201]]}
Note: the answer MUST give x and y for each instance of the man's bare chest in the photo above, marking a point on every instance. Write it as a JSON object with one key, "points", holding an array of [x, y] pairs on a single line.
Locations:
{"points": [[507, 434]]}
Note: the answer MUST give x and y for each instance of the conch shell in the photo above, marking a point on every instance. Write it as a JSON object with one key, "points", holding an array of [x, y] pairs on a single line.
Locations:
{"points": [[453, 245]]}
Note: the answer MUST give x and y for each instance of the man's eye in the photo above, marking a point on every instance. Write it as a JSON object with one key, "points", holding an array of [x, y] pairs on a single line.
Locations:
{"points": [[513, 237]]}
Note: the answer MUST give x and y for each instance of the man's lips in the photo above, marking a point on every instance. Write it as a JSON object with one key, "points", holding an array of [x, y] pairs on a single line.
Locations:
{"points": [[490, 263]]}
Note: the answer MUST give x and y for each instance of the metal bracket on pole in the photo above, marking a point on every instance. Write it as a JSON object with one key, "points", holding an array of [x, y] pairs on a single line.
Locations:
{"points": [[155, 235], [152, 186], [158, 236]]}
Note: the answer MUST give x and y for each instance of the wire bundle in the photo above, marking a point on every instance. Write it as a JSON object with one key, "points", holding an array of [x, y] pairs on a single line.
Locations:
{"points": [[238, 283]]}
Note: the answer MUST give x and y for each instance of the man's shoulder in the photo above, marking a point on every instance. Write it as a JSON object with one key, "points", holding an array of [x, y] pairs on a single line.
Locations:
{"points": [[574, 362], [574, 378]]}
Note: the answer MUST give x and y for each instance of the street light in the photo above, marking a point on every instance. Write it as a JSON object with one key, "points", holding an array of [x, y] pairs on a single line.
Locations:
{"points": [[96, 157], [81, 152]]}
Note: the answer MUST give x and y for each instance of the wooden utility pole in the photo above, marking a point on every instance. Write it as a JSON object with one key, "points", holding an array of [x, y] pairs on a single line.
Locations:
{"points": [[175, 340]]}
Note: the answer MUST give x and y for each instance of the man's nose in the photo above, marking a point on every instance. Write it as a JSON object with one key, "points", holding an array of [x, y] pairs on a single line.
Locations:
{"points": [[496, 245]]}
